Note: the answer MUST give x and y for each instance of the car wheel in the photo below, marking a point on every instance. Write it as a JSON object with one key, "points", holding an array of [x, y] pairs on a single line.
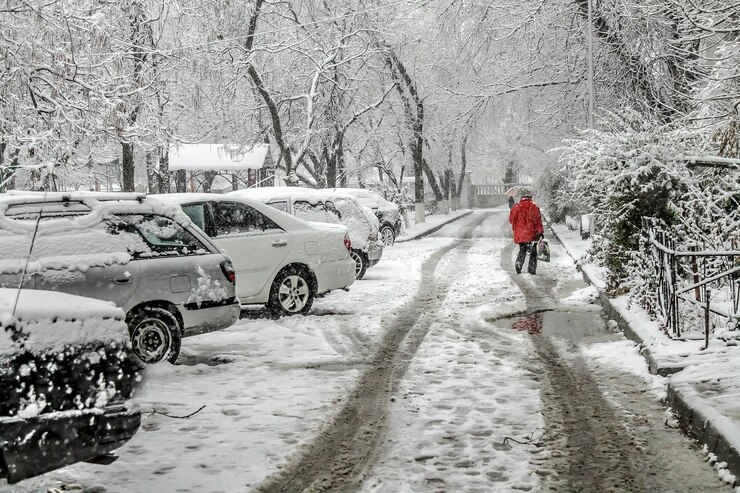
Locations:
{"points": [[155, 335], [361, 263], [388, 235], [292, 293]]}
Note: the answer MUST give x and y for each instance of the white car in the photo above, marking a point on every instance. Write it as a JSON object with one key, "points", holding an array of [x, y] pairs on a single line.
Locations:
{"points": [[387, 212], [327, 206], [280, 261]]}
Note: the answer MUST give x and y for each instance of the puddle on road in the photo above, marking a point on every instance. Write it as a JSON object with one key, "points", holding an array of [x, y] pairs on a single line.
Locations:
{"points": [[585, 325]]}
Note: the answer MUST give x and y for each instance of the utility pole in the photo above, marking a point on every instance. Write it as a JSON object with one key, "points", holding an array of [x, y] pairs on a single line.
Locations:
{"points": [[590, 67]]}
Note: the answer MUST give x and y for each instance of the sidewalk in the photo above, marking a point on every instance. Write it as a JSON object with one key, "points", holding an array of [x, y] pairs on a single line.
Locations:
{"points": [[431, 224], [703, 387]]}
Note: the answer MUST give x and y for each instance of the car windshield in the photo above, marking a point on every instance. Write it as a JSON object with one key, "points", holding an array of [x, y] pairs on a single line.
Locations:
{"points": [[163, 235]]}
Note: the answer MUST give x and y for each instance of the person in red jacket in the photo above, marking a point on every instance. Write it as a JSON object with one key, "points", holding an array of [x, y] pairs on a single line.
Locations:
{"points": [[526, 221]]}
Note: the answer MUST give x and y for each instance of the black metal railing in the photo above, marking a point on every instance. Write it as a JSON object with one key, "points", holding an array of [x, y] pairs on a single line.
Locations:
{"points": [[689, 282]]}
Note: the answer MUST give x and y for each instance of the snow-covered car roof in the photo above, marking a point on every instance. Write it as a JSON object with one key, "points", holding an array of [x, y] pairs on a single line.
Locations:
{"points": [[360, 222], [296, 193], [368, 198], [99, 203], [281, 218], [52, 320], [74, 235]]}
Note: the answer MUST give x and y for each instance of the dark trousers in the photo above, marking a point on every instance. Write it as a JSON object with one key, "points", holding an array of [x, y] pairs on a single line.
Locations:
{"points": [[525, 248]]}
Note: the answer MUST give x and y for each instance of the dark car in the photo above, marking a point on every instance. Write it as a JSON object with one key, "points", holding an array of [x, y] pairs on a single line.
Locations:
{"points": [[66, 372]]}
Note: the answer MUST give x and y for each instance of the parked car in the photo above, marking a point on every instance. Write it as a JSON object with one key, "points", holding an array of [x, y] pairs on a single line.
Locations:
{"points": [[65, 374], [280, 261], [147, 258], [388, 213], [327, 206]]}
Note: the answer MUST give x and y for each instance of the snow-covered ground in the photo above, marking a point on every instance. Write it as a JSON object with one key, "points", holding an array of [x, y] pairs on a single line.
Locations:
{"points": [[468, 388], [708, 381], [481, 400], [430, 222], [266, 386]]}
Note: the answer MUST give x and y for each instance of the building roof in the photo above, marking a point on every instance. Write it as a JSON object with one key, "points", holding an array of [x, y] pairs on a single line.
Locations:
{"points": [[219, 157]]}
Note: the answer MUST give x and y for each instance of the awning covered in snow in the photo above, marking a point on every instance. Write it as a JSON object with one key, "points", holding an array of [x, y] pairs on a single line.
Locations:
{"points": [[219, 157]]}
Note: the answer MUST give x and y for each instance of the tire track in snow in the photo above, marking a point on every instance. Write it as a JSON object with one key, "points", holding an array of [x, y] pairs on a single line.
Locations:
{"points": [[595, 453], [339, 455]]}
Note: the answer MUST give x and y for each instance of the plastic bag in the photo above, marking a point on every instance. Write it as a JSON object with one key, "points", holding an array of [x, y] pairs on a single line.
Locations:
{"points": [[543, 250]]}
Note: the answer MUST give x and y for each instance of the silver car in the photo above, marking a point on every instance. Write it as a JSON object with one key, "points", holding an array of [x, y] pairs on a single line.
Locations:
{"points": [[145, 257]]}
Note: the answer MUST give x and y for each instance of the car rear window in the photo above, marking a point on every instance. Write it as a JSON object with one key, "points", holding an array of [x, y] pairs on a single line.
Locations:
{"points": [[317, 212]]}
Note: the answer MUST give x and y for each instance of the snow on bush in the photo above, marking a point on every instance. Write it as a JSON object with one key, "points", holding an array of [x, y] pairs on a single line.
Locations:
{"points": [[637, 170], [631, 171]]}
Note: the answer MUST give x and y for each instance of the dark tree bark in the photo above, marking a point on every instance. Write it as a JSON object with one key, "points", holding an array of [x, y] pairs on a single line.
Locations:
{"points": [[164, 170], [414, 108], [127, 167], [152, 176], [432, 181], [181, 181], [208, 178], [463, 164]]}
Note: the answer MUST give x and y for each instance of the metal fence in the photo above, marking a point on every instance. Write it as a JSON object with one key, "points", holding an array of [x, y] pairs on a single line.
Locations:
{"points": [[692, 284]]}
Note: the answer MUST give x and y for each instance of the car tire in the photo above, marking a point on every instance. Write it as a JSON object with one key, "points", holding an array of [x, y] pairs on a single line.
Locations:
{"points": [[155, 335], [292, 293], [388, 235], [361, 263]]}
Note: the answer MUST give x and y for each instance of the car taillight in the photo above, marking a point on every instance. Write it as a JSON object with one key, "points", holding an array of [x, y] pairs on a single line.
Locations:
{"points": [[228, 269], [347, 242]]}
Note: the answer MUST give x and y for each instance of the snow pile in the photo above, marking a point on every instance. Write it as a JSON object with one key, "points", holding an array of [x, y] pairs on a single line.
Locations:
{"points": [[208, 289]]}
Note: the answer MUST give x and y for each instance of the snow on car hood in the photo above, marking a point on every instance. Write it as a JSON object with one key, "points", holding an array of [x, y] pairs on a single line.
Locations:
{"points": [[51, 320]]}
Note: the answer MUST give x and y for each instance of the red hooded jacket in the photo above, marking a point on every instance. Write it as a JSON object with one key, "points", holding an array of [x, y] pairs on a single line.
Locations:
{"points": [[526, 220]]}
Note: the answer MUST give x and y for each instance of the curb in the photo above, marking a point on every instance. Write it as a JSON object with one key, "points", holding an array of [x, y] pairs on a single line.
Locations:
{"points": [[693, 421], [624, 325], [434, 229]]}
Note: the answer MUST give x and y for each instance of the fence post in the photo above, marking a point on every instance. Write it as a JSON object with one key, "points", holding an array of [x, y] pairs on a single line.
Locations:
{"points": [[706, 319], [695, 272]]}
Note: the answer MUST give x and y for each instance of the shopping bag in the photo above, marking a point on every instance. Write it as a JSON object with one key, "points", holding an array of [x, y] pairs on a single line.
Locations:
{"points": [[543, 250]]}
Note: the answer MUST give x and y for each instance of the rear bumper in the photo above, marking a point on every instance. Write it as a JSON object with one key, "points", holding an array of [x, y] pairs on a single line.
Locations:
{"points": [[29, 447], [374, 256], [334, 275], [207, 317]]}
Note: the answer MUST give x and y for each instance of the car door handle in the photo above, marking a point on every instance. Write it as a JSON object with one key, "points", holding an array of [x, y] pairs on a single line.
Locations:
{"points": [[280, 243], [124, 279]]}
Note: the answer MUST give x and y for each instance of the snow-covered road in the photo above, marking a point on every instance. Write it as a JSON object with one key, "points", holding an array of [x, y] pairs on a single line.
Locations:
{"points": [[442, 370]]}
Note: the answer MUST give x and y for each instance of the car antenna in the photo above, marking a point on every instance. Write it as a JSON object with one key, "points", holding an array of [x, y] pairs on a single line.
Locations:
{"points": [[30, 249]]}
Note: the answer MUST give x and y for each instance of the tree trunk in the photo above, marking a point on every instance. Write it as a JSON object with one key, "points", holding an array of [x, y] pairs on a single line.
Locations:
{"points": [[438, 196], [331, 169], [208, 178], [463, 165], [127, 167], [181, 181], [152, 177], [340, 165], [164, 170]]}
